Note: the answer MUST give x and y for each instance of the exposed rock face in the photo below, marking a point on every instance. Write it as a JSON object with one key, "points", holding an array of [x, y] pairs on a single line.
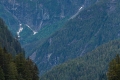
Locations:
{"points": [[38, 13]]}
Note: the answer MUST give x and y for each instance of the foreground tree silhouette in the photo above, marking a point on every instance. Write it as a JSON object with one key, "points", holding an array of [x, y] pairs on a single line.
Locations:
{"points": [[1, 74], [17, 68], [26, 68], [12, 72], [114, 69]]}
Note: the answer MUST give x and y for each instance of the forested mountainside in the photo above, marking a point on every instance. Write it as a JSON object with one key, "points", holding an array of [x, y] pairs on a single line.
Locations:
{"points": [[8, 41], [17, 68], [93, 66], [93, 26], [13, 64]]}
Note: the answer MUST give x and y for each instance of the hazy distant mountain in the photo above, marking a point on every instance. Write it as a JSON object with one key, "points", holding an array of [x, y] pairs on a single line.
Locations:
{"points": [[38, 13], [93, 26], [33, 20]]}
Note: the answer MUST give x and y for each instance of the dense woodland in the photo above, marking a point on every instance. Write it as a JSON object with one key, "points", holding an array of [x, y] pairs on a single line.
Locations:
{"points": [[16, 68], [93, 66], [13, 64], [114, 69]]}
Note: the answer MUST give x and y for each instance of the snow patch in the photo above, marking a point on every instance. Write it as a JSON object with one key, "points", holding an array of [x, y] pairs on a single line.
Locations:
{"points": [[50, 41], [34, 32], [20, 24], [40, 26], [80, 8], [77, 12], [49, 55], [20, 30]]}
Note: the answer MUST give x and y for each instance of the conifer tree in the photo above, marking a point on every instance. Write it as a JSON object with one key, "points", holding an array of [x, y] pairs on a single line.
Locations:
{"points": [[114, 69], [20, 64], [35, 73], [28, 71], [12, 72], [18, 68], [1, 74]]}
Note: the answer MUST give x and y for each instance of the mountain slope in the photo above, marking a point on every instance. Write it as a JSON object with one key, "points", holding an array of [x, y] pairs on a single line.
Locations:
{"points": [[38, 13], [35, 20], [93, 66], [7, 41], [93, 26]]}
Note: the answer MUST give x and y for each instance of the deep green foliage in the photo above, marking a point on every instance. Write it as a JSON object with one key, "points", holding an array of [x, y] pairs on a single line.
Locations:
{"points": [[17, 68], [1, 74], [114, 69], [93, 66]]}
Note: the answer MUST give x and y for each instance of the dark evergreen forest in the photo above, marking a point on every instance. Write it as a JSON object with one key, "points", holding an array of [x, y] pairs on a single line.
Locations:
{"points": [[13, 64]]}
